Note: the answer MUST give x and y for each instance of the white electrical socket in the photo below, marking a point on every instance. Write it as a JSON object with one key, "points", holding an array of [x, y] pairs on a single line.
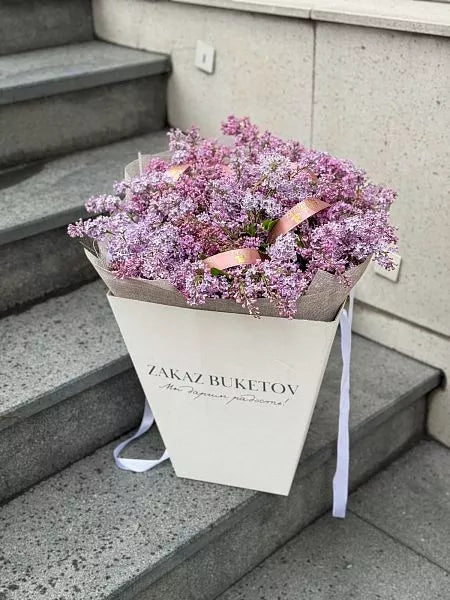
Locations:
{"points": [[393, 274], [204, 57]]}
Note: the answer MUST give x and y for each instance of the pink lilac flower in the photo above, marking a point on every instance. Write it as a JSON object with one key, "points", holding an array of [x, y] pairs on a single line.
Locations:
{"points": [[159, 227]]}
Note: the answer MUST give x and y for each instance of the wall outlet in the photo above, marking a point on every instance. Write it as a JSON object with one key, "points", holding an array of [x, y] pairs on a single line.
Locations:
{"points": [[393, 274], [204, 57]]}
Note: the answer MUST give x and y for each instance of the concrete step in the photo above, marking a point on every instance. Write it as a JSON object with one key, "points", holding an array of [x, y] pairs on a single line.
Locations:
{"points": [[66, 386], [393, 544], [36, 204], [93, 531], [77, 96], [30, 24]]}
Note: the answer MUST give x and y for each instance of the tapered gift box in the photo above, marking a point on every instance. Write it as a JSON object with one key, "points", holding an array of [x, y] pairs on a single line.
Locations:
{"points": [[233, 395], [193, 241]]}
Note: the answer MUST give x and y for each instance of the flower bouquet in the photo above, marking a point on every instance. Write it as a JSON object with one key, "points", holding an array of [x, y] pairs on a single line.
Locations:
{"points": [[228, 267]]}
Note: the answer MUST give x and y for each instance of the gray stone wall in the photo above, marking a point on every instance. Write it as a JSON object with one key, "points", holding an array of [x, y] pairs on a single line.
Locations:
{"points": [[365, 81]]}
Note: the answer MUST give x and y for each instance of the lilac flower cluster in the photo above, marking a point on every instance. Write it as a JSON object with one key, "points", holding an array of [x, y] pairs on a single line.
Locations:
{"points": [[160, 227]]}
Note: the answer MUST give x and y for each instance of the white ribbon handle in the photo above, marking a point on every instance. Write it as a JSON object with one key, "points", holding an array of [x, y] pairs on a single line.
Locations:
{"points": [[340, 479], [138, 465]]}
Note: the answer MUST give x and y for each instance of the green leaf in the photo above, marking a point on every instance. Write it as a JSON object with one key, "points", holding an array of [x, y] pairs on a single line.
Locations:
{"points": [[268, 224], [251, 230], [215, 272]]}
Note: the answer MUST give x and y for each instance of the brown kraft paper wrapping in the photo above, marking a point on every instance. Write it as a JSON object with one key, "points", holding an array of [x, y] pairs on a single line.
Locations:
{"points": [[321, 302]]}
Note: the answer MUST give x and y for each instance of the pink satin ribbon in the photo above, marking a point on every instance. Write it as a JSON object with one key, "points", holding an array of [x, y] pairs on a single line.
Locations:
{"points": [[248, 256], [296, 215], [233, 258], [177, 171]]}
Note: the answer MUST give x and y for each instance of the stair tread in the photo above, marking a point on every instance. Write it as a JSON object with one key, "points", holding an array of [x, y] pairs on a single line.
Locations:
{"points": [[43, 23], [412, 501], [60, 69], [66, 344], [56, 349], [363, 557], [121, 528], [49, 194]]}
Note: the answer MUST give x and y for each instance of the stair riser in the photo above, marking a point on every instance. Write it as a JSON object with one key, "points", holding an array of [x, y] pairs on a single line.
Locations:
{"points": [[64, 123], [41, 265], [43, 444], [269, 521], [30, 24]]}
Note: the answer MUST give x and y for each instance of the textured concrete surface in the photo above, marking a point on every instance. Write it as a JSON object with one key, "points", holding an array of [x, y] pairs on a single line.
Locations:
{"points": [[93, 528], [60, 348], [95, 532], [295, 8], [334, 559], [411, 501], [428, 17], [423, 344], [49, 194], [392, 89], [74, 337], [30, 24], [379, 97], [367, 557], [74, 67], [64, 346], [269, 521], [376, 372], [439, 415], [56, 349], [44, 127], [45, 443], [40, 265], [38, 201], [266, 75]]}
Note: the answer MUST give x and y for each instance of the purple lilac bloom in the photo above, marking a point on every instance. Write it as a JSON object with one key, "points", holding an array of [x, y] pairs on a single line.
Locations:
{"points": [[158, 227]]}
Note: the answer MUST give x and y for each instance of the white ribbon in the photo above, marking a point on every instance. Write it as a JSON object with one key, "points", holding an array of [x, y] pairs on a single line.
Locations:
{"points": [[340, 479], [138, 465]]}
